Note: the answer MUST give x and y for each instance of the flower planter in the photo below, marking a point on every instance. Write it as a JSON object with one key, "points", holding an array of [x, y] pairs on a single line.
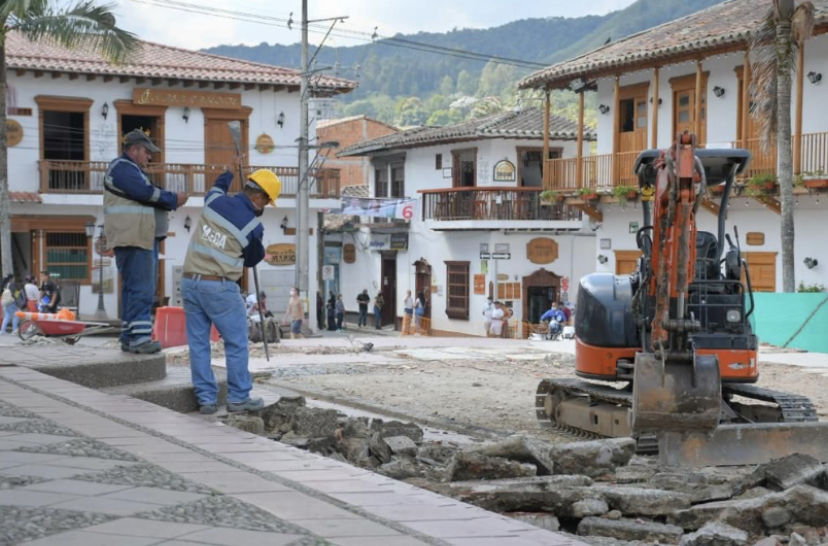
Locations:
{"points": [[632, 195], [590, 197], [815, 184], [716, 190]]}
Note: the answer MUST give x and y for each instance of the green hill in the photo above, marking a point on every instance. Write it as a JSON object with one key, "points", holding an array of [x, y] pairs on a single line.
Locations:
{"points": [[400, 84]]}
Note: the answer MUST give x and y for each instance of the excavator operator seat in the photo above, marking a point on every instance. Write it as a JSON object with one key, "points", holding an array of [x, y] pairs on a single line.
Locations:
{"points": [[707, 257]]}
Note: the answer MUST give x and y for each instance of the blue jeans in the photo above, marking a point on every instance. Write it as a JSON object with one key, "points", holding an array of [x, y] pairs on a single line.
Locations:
{"points": [[378, 317], [10, 316], [219, 303], [363, 316], [139, 271]]}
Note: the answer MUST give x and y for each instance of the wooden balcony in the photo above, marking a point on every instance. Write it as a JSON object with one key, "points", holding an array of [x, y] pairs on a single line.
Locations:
{"points": [[492, 204], [600, 172], [813, 157], [87, 177]]}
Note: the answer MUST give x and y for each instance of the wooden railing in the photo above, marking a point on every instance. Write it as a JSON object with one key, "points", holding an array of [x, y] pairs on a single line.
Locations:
{"points": [[496, 203], [87, 177], [596, 172], [813, 157], [814, 152]]}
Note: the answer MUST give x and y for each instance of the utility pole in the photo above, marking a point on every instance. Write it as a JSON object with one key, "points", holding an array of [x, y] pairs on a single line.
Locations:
{"points": [[303, 254]]}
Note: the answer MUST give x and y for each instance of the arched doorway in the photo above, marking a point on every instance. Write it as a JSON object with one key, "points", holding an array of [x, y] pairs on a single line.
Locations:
{"points": [[540, 289]]}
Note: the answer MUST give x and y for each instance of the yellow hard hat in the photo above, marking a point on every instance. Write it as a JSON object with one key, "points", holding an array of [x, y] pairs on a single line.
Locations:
{"points": [[269, 182]]}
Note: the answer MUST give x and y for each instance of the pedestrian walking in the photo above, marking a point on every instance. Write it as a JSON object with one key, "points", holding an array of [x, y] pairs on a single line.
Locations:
{"points": [[135, 220], [13, 299], [227, 239], [419, 311], [32, 294], [379, 301], [295, 314], [487, 316], [363, 300], [320, 311], [408, 313], [498, 315], [340, 313], [49, 294], [566, 311]]}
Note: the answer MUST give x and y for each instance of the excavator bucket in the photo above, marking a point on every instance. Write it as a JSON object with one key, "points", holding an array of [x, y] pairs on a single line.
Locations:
{"points": [[675, 396]]}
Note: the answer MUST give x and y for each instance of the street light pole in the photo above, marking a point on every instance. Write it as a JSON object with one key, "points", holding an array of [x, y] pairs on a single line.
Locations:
{"points": [[302, 230]]}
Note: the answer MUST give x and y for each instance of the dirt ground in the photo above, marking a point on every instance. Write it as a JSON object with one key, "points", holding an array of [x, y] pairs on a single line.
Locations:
{"points": [[494, 394]]}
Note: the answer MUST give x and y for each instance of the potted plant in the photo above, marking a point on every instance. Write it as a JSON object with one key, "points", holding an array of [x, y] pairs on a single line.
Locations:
{"points": [[762, 184], [715, 190], [551, 196], [815, 180], [624, 193], [588, 194]]}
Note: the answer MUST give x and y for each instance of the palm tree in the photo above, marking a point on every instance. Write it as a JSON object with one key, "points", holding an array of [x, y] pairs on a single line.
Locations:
{"points": [[80, 25], [772, 52]]}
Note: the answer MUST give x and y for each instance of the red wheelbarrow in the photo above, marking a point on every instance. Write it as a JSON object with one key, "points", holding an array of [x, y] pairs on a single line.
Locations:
{"points": [[61, 325]]}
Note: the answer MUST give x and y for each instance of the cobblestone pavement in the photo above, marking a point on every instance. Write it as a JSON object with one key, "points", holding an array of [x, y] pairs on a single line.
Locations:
{"points": [[81, 467]]}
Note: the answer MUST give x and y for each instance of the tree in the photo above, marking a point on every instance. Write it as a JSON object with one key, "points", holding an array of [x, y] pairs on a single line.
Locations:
{"points": [[466, 83], [772, 52], [441, 118], [410, 111], [82, 24], [446, 86]]}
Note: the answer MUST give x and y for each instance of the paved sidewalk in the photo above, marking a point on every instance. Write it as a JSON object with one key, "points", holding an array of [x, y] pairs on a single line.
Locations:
{"points": [[81, 467]]}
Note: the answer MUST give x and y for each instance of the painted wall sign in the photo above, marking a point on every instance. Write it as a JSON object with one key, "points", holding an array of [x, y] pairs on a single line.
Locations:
{"points": [[542, 250], [504, 171], [349, 253], [282, 254], [479, 284], [633, 227], [193, 99], [755, 238], [264, 144], [14, 133]]}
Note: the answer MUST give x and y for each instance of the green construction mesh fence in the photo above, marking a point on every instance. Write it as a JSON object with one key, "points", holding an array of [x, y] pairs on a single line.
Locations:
{"points": [[798, 320]]}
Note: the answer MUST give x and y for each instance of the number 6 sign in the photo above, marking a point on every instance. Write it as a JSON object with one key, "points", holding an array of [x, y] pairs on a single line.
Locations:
{"points": [[408, 211]]}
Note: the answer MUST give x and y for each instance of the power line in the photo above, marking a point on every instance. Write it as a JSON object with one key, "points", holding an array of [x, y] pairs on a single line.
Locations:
{"points": [[402, 43]]}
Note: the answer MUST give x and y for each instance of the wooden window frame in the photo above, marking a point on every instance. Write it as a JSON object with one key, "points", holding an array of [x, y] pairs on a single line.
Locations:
{"points": [[382, 168], [438, 162], [242, 114], [89, 250], [522, 149], [458, 313], [54, 103], [127, 108], [688, 83], [455, 166], [391, 167]]}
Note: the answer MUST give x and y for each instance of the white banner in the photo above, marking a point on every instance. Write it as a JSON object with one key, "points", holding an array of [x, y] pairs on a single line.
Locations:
{"points": [[402, 209]]}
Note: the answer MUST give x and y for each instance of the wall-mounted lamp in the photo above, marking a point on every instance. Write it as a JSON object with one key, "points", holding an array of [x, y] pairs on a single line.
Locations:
{"points": [[186, 114], [105, 110], [660, 100], [814, 77], [284, 223], [602, 259], [811, 263], [188, 223], [280, 121], [603, 108], [90, 230], [718, 91]]}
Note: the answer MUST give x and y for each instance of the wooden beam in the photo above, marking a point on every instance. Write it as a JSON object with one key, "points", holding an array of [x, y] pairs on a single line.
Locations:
{"points": [[38, 73], [218, 85], [56, 75], [264, 87], [589, 210], [173, 81], [20, 71], [710, 206], [547, 99], [249, 86], [123, 79], [697, 107], [157, 81], [800, 83], [107, 78], [746, 74], [187, 83], [579, 166], [654, 130], [770, 202], [202, 85], [139, 80], [234, 85], [73, 76], [91, 77], [616, 128]]}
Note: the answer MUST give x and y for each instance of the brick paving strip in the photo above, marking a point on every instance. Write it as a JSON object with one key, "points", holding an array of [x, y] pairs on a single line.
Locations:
{"points": [[78, 466]]}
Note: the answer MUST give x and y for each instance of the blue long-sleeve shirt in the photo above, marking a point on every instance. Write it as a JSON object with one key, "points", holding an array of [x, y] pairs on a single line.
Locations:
{"points": [[239, 211], [557, 314], [128, 179]]}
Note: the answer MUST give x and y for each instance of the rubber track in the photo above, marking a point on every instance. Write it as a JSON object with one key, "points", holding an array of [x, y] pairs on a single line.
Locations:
{"points": [[794, 408]]}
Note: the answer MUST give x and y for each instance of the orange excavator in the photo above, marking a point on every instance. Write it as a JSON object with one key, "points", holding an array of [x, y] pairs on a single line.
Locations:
{"points": [[677, 330]]}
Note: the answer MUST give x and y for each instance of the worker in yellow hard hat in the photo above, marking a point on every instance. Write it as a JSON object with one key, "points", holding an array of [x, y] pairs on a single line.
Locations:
{"points": [[227, 239]]}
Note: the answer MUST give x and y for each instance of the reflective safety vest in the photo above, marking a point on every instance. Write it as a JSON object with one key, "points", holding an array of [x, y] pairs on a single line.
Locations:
{"points": [[216, 246], [128, 222]]}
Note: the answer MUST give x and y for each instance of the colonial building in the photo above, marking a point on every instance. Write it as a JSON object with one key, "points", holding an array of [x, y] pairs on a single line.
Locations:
{"points": [[480, 228], [68, 111], [353, 171], [694, 74]]}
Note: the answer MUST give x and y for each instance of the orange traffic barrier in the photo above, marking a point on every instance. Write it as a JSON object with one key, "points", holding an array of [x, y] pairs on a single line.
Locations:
{"points": [[62, 314], [170, 327]]}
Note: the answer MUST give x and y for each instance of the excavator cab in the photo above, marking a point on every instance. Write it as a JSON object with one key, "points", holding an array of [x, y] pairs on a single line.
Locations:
{"points": [[684, 295]]}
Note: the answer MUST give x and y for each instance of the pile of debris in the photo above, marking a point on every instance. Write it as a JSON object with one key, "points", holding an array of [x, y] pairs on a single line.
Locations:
{"points": [[592, 488]]}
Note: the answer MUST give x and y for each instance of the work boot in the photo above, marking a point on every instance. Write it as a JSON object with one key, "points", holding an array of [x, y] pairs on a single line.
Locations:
{"points": [[251, 404], [208, 409], [146, 348]]}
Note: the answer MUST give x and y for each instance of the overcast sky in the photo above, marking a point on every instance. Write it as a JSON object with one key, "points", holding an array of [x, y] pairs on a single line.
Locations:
{"points": [[191, 30]]}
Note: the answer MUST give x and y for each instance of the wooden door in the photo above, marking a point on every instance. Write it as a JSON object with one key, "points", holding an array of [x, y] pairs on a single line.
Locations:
{"points": [[762, 267], [633, 124], [763, 160], [219, 149], [389, 290], [684, 106], [422, 283], [625, 261]]}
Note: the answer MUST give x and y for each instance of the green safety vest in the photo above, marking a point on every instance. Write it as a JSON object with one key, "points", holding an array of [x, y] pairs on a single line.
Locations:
{"points": [[128, 222]]}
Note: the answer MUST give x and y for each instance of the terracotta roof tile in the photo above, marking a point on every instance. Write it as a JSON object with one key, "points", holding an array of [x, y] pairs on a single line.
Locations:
{"points": [[153, 60], [727, 24], [24, 197], [527, 123]]}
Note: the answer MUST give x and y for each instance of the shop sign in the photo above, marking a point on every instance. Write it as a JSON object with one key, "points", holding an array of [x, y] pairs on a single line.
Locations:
{"points": [[504, 171], [193, 99], [349, 253], [264, 144], [282, 254], [542, 250], [479, 284], [14, 133]]}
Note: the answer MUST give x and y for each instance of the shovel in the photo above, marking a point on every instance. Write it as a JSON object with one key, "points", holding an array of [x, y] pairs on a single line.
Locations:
{"points": [[235, 133]]}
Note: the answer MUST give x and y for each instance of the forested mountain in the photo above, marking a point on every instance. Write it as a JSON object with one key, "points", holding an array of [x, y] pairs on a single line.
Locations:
{"points": [[401, 84]]}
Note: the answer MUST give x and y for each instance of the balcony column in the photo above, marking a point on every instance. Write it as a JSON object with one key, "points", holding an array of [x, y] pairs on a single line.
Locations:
{"points": [[579, 166], [800, 82], [616, 129], [697, 125], [547, 176], [654, 130], [746, 75]]}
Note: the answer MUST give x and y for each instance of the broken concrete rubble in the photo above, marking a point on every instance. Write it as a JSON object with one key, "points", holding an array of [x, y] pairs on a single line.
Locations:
{"points": [[627, 529], [314, 423], [379, 448], [473, 466], [540, 520], [775, 516], [400, 469], [594, 458], [716, 534], [784, 473], [402, 446], [643, 502], [397, 428], [589, 507], [519, 448]]}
